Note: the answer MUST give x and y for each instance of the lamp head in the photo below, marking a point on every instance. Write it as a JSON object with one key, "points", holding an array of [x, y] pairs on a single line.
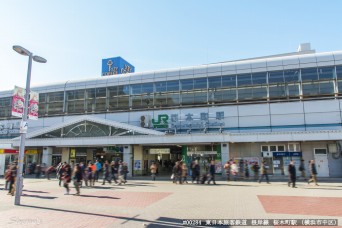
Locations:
{"points": [[21, 50], [39, 59]]}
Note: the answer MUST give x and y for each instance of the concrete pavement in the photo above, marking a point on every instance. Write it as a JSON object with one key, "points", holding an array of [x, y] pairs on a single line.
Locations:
{"points": [[144, 203]]}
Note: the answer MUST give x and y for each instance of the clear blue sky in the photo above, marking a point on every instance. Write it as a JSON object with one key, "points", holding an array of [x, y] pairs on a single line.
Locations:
{"points": [[75, 35]]}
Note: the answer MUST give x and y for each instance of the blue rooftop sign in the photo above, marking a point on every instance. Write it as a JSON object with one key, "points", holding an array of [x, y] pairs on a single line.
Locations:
{"points": [[116, 65]]}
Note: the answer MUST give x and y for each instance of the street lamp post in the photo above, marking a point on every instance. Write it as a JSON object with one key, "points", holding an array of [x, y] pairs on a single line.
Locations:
{"points": [[19, 182]]}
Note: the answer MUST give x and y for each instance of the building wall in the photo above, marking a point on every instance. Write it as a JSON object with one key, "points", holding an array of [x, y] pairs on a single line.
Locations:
{"points": [[65, 155], [138, 160]]}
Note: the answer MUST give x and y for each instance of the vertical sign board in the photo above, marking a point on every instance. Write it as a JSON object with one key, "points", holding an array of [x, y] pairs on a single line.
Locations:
{"points": [[33, 106], [18, 101], [116, 65]]}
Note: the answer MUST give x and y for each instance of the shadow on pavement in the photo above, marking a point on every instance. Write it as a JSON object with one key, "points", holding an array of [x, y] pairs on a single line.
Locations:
{"points": [[102, 197], [24, 190], [160, 222], [40, 197], [314, 187], [103, 187]]}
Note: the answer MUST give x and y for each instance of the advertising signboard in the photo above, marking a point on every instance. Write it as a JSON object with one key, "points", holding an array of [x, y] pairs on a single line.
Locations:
{"points": [[116, 65], [33, 106], [18, 101]]}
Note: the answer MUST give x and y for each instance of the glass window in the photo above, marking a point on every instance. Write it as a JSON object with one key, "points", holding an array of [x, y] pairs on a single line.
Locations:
{"points": [[293, 90], [260, 92], [309, 74], [136, 89], [70, 95], [101, 92], [200, 83], [259, 78], [160, 99], [57, 96], [281, 148], [42, 97], [277, 91], [264, 149], [275, 77], [273, 148], [147, 88], [79, 94], [227, 95], [245, 94], [339, 72], [322, 88], [214, 82], [173, 99], [244, 79], [90, 93], [326, 73], [113, 91], [229, 81], [187, 97], [291, 75], [160, 86], [187, 84], [123, 90], [200, 97], [173, 86]]}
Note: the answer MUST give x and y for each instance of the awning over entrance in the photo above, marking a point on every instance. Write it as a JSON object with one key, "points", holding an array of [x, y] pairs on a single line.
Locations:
{"points": [[88, 126]]}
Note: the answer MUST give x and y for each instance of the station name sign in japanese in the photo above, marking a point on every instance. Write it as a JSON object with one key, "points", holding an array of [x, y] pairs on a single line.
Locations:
{"points": [[116, 65]]}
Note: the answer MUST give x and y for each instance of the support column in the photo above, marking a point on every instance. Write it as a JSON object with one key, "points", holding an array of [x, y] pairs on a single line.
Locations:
{"points": [[47, 156], [224, 156], [127, 157]]}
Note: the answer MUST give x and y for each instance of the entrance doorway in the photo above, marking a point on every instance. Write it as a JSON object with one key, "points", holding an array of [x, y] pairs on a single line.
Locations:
{"points": [[321, 160]]}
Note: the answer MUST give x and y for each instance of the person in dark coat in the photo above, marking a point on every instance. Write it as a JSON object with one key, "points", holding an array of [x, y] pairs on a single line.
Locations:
{"points": [[313, 172], [195, 171], [212, 171], [264, 172], [66, 178], [106, 172], [78, 176], [292, 174]]}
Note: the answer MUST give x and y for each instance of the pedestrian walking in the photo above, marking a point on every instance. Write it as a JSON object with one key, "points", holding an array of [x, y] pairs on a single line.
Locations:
{"points": [[153, 169], [106, 174], [302, 169], [115, 171], [49, 171], [77, 176], [292, 175], [66, 177], [38, 171], [256, 170], [212, 171], [176, 172], [264, 172], [8, 176], [195, 171], [98, 169], [184, 173], [313, 172], [234, 170], [246, 170], [12, 179], [227, 168], [125, 171], [121, 173]]}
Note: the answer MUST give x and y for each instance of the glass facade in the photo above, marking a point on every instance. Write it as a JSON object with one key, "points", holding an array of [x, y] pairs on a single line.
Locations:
{"points": [[226, 89]]}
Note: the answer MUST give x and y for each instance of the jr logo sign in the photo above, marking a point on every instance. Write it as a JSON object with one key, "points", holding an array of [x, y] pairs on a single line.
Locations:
{"points": [[162, 121]]}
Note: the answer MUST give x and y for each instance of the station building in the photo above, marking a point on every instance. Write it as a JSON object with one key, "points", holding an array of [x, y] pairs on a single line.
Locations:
{"points": [[274, 108]]}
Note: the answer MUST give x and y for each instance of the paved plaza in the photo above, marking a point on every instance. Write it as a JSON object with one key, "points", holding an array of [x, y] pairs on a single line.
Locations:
{"points": [[144, 203]]}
